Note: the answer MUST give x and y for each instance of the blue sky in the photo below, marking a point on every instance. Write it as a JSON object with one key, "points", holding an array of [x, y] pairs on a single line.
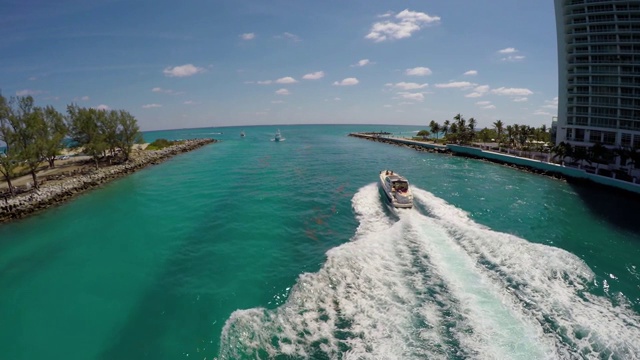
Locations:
{"points": [[215, 63]]}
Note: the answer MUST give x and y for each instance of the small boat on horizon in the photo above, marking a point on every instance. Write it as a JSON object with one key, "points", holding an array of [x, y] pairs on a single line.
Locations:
{"points": [[278, 137], [242, 133], [396, 189]]}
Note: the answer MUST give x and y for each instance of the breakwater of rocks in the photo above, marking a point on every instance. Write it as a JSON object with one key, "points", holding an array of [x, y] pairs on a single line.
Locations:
{"points": [[50, 194]]}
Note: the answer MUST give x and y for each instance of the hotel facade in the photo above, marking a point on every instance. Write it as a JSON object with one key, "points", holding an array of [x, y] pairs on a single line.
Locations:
{"points": [[598, 72]]}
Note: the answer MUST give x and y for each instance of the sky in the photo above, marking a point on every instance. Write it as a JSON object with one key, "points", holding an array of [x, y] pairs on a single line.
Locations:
{"points": [[192, 63]]}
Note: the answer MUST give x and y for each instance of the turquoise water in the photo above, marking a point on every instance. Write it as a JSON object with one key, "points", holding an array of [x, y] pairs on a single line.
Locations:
{"points": [[249, 249]]}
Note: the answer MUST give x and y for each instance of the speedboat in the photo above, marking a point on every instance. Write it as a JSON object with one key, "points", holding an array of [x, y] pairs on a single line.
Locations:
{"points": [[278, 137], [396, 189], [242, 133]]}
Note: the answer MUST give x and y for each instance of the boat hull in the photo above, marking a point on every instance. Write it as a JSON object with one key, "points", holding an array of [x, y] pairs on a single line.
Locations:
{"points": [[401, 198]]}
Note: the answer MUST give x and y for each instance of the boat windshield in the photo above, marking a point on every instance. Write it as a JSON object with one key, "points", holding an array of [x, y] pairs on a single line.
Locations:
{"points": [[401, 186]]}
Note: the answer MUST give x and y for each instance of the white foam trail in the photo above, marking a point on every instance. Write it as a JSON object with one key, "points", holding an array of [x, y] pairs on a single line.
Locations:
{"points": [[438, 286], [550, 284]]}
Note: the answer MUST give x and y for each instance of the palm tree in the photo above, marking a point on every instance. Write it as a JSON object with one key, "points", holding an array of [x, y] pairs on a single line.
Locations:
{"points": [[510, 134], [499, 126], [599, 154], [445, 127], [561, 151], [472, 131], [435, 128]]}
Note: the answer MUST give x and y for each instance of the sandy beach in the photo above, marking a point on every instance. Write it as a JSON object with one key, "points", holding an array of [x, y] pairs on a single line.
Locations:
{"points": [[78, 174]]}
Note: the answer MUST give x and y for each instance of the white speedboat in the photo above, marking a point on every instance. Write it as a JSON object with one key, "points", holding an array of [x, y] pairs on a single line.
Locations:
{"points": [[396, 189], [278, 137]]}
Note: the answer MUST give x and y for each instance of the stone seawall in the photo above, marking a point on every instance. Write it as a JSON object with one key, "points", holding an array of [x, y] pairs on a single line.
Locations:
{"points": [[49, 195], [521, 163]]}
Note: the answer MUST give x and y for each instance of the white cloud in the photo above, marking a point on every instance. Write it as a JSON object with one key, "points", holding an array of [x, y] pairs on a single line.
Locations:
{"points": [[456, 85], [286, 80], [544, 113], [478, 91], [512, 91], [471, 73], [290, 36], [161, 90], [407, 22], [386, 15], [182, 71], [314, 75], [482, 89], [283, 92], [387, 106], [149, 106], [33, 78], [513, 58], [551, 104], [511, 51], [248, 36], [264, 82], [508, 50], [489, 107], [483, 103], [361, 63], [103, 107], [337, 99], [347, 82], [27, 92], [521, 99], [408, 86], [418, 71], [82, 98], [412, 96], [277, 102], [189, 102]]}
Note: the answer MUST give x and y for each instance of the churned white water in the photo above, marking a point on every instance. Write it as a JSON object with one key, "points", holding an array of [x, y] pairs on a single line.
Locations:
{"points": [[429, 282]]}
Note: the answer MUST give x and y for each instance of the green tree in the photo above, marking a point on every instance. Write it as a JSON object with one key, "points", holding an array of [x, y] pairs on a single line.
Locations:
{"points": [[424, 134], [499, 126], [8, 158], [435, 128], [28, 126], [85, 131], [109, 122], [445, 128], [52, 133], [562, 150], [128, 133]]}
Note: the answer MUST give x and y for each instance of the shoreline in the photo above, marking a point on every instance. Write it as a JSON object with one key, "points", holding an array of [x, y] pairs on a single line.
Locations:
{"points": [[49, 195], [552, 170]]}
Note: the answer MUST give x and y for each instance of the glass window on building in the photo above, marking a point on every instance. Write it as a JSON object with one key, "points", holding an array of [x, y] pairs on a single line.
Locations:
{"points": [[595, 136], [569, 134], [579, 135], [609, 138], [625, 140]]}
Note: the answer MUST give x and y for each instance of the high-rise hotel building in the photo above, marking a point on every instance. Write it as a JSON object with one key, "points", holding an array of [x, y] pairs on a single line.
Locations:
{"points": [[599, 72]]}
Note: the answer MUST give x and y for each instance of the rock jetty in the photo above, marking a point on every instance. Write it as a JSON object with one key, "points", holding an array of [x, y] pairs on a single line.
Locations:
{"points": [[50, 194]]}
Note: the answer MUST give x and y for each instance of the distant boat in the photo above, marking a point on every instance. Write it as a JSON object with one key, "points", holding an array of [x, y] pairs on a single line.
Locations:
{"points": [[396, 189], [242, 134], [278, 137]]}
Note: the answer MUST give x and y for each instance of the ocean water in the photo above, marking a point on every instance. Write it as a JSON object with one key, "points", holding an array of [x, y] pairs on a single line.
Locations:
{"points": [[252, 249]]}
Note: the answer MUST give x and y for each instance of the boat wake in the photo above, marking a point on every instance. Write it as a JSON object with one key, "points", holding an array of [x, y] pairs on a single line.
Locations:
{"points": [[431, 283]]}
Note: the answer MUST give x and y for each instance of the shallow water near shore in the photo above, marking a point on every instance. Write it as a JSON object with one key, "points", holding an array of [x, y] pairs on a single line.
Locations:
{"points": [[249, 248]]}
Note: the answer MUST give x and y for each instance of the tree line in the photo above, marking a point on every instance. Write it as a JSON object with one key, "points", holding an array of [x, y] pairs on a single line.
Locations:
{"points": [[462, 131], [525, 137], [33, 135]]}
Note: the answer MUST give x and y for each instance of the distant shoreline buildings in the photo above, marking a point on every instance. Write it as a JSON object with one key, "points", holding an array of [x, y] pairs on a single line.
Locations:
{"points": [[598, 72]]}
